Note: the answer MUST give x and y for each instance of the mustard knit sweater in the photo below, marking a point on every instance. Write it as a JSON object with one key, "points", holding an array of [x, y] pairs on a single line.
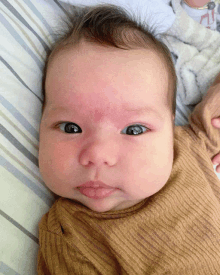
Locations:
{"points": [[174, 232]]}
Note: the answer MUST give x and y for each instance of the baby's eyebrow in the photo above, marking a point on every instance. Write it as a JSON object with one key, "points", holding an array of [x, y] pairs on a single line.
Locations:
{"points": [[145, 109]]}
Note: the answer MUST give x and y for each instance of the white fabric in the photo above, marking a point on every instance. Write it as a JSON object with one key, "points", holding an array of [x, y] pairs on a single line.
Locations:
{"points": [[26, 33], [197, 53]]}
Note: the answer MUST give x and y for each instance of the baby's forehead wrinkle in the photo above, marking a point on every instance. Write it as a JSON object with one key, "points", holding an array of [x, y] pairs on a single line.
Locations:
{"points": [[94, 106], [98, 113]]}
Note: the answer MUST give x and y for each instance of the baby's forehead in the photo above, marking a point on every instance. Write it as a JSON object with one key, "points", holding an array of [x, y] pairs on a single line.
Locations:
{"points": [[93, 58], [95, 77], [95, 51]]}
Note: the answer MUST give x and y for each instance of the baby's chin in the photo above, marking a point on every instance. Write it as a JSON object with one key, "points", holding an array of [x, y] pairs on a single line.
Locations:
{"points": [[115, 202], [110, 205]]}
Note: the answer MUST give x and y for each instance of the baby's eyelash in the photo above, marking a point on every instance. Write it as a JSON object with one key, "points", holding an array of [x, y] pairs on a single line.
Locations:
{"points": [[137, 128], [74, 124]]}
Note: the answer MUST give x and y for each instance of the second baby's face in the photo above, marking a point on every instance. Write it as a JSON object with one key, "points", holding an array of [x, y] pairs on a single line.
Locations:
{"points": [[106, 119]]}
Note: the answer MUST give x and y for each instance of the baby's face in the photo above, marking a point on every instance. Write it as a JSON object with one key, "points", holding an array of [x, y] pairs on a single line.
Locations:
{"points": [[106, 120]]}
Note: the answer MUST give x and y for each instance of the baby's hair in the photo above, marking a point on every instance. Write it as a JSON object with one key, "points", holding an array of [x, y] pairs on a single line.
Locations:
{"points": [[110, 25]]}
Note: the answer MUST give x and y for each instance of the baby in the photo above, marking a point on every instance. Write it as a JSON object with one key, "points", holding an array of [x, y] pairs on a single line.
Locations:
{"points": [[203, 11], [137, 195]]}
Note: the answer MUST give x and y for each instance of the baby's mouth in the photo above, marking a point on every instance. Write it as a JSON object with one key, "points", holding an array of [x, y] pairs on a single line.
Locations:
{"points": [[95, 184], [96, 193]]}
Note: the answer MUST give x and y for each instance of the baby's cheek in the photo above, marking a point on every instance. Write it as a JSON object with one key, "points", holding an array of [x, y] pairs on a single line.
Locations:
{"points": [[55, 162], [63, 158]]}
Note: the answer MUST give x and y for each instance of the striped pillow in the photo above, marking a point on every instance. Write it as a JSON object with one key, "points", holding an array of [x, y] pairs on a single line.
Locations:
{"points": [[26, 36]]}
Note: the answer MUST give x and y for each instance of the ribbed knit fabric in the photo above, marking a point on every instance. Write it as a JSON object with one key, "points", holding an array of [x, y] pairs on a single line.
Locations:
{"points": [[176, 231]]}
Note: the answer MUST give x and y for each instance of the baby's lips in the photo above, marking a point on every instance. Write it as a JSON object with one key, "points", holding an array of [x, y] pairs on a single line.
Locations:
{"points": [[96, 193], [95, 184]]}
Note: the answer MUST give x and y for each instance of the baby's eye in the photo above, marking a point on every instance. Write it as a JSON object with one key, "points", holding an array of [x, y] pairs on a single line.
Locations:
{"points": [[135, 129], [70, 127]]}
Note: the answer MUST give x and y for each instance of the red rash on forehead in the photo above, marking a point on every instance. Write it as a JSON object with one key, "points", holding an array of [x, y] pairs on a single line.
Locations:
{"points": [[98, 107]]}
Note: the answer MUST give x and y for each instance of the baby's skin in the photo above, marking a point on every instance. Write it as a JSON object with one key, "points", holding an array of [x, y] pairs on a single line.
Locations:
{"points": [[120, 125], [196, 3], [216, 123], [107, 119], [216, 159]]}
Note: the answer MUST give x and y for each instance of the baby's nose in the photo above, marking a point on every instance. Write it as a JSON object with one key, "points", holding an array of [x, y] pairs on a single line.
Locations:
{"points": [[99, 153]]}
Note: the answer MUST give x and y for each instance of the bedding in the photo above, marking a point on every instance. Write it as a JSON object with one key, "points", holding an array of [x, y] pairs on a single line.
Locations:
{"points": [[197, 59], [26, 35]]}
